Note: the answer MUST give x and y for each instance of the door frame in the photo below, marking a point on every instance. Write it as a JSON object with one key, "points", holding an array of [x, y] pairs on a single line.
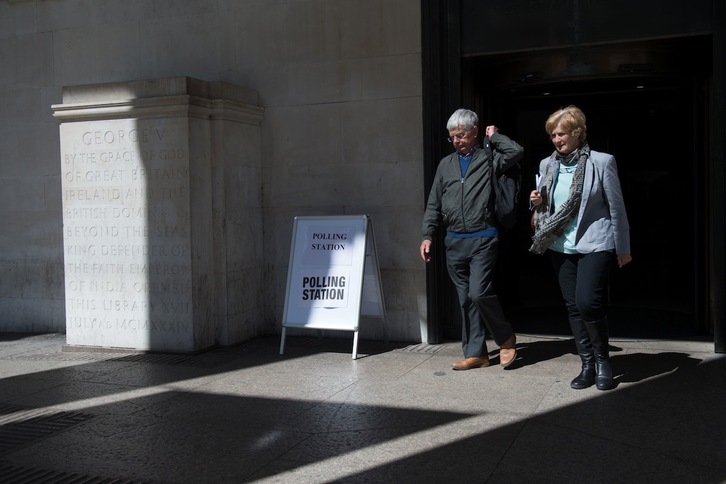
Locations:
{"points": [[447, 87]]}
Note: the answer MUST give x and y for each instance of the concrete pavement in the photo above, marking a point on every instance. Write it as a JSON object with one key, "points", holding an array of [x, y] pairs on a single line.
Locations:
{"points": [[398, 413]]}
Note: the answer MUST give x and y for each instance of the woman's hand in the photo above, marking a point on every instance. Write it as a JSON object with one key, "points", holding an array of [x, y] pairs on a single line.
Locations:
{"points": [[623, 259], [535, 198]]}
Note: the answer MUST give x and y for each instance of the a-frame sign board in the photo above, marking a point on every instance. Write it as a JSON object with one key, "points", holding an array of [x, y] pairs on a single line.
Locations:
{"points": [[333, 278]]}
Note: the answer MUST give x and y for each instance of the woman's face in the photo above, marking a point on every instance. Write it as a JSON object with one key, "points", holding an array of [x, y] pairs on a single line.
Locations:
{"points": [[563, 140]]}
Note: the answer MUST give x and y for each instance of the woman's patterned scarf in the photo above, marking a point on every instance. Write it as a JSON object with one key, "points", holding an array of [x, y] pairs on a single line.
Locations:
{"points": [[548, 226]]}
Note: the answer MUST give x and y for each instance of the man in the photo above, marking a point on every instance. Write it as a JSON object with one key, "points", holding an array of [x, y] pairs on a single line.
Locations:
{"points": [[461, 202]]}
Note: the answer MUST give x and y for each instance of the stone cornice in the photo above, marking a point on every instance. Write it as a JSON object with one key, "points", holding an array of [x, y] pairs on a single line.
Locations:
{"points": [[160, 98]]}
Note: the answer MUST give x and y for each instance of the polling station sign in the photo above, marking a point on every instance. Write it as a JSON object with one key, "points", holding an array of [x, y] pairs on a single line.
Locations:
{"points": [[333, 277]]}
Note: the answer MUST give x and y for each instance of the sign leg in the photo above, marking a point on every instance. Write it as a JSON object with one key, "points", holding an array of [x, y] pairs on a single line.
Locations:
{"points": [[282, 340], [355, 344]]}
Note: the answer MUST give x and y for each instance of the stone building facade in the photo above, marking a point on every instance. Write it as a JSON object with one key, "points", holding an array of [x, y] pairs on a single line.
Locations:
{"points": [[340, 86], [352, 98]]}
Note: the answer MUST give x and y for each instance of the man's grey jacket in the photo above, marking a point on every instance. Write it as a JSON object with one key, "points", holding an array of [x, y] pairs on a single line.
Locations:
{"points": [[464, 204]]}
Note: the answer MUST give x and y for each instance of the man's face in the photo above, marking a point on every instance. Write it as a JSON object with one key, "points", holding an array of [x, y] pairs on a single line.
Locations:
{"points": [[463, 139]]}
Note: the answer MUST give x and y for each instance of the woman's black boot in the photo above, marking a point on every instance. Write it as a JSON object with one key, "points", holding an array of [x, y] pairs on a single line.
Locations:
{"points": [[586, 378], [604, 378], [598, 331]]}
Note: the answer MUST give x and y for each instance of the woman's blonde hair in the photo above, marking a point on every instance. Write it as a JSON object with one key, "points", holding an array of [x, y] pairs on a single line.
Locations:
{"points": [[572, 121]]}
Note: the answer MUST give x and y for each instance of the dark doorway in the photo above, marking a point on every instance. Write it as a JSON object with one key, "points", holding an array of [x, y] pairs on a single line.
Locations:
{"points": [[651, 116]]}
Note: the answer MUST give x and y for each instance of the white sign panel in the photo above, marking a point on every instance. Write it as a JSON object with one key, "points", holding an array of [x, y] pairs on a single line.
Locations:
{"points": [[333, 277]]}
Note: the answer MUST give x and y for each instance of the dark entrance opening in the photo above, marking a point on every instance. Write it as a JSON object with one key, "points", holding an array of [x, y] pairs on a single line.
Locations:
{"points": [[652, 116]]}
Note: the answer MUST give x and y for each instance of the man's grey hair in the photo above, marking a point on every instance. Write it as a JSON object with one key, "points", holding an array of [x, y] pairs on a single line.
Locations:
{"points": [[462, 117]]}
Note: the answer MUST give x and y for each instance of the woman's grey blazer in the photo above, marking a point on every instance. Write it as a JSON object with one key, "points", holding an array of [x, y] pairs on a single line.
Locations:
{"points": [[602, 223]]}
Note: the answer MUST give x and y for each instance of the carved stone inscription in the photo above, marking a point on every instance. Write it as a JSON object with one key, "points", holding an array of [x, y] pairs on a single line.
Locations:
{"points": [[126, 227]]}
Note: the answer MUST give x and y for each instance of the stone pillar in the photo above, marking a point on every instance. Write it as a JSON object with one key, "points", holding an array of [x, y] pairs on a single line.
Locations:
{"points": [[159, 176]]}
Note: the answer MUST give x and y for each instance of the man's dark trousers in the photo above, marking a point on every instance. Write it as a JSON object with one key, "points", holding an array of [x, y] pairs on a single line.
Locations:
{"points": [[470, 262]]}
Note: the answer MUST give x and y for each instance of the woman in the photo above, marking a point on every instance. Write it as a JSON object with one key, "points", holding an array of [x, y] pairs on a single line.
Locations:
{"points": [[580, 217]]}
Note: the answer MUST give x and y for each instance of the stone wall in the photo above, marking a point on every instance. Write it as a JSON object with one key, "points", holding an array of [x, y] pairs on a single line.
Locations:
{"points": [[341, 86]]}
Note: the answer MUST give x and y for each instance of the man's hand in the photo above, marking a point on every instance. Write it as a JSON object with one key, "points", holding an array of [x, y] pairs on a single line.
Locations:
{"points": [[426, 250]]}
